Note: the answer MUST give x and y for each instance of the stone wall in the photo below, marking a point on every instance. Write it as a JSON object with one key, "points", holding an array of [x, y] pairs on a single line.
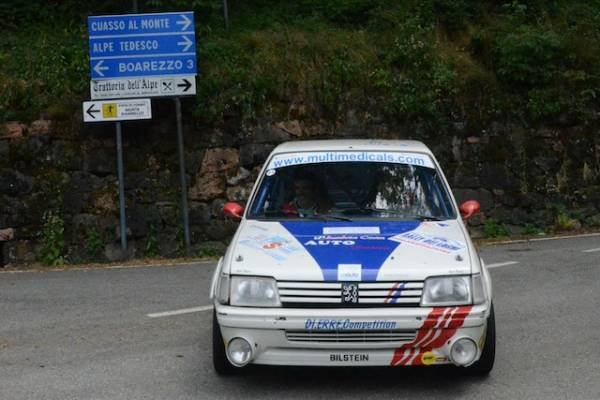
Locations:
{"points": [[520, 175]]}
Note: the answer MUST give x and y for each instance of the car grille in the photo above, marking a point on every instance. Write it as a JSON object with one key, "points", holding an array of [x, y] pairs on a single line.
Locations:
{"points": [[329, 294], [362, 336]]}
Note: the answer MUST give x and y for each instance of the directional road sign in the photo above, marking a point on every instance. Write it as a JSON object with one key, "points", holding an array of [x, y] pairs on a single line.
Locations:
{"points": [[138, 45], [116, 110], [150, 86]]}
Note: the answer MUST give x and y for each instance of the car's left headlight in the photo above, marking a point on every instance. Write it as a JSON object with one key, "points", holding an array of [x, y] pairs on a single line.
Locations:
{"points": [[447, 291], [254, 291]]}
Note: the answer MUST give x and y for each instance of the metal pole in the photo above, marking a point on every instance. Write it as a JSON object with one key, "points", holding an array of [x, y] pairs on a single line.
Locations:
{"points": [[134, 6], [184, 204], [121, 188], [226, 14]]}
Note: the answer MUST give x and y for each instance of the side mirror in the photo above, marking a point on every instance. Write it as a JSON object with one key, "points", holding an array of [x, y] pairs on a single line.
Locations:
{"points": [[469, 208], [232, 209]]}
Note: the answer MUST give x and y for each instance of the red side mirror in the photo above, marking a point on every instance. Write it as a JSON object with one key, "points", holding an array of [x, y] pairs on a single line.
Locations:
{"points": [[469, 208], [233, 209]]}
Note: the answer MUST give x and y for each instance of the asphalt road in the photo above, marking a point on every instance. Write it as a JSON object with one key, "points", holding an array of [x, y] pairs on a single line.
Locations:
{"points": [[87, 335]]}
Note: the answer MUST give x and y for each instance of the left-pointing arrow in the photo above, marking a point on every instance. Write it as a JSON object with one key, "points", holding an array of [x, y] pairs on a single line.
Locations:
{"points": [[90, 111], [99, 68]]}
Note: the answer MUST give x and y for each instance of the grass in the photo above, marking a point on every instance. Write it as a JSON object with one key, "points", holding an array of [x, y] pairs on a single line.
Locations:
{"points": [[421, 61]]}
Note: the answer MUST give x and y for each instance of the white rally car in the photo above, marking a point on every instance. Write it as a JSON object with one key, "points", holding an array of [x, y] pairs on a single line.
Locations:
{"points": [[352, 253]]}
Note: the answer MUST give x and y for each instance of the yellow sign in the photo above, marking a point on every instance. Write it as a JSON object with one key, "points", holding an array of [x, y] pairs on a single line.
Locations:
{"points": [[428, 358], [109, 110]]}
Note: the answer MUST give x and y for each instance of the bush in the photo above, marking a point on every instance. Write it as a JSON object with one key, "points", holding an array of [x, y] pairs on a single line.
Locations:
{"points": [[565, 223], [493, 229], [52, 238], [532, 230], [93, 241], [151, 249], [528, 57]]}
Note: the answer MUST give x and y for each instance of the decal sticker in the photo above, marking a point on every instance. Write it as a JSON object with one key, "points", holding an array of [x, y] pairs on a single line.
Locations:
{"points": [[349, 272], [394, 293], [336, 357], [436, 243], [333, 230], [441, 324], [367, 250], [428, 358], [291, 159], [334, 242], [275, 246], [347, 324], [270, 172]]}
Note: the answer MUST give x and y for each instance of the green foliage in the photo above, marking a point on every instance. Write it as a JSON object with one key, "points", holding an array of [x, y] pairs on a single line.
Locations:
{"points": [[209, 252], [562, 220], [425, 61], [151, 249], [52, 237], [492, 228], [533, 230], [355, 11], [93, 241], [528, 56], [565, 223]]}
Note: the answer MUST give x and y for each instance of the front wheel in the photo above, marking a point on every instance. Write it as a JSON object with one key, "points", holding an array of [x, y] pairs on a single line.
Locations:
{"points": [[221, 364], [485, 364]]}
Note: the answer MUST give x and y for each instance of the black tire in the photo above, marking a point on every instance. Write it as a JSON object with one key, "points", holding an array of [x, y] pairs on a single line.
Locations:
{"points": [[221, 364], [485, 364]]}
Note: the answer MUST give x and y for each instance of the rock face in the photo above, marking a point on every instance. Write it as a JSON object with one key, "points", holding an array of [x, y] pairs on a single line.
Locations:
{"points": [[548, 177]]}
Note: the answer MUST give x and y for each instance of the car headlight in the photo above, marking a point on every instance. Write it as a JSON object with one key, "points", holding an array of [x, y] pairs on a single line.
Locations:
{"points": [[254, 291], [447, 291]]}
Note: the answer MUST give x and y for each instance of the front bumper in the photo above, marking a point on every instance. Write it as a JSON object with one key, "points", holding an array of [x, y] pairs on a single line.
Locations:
{"points": [[430, 331]]}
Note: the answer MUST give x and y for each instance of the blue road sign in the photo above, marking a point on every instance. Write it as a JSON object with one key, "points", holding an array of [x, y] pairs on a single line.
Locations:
{"points": [[136, 45]]}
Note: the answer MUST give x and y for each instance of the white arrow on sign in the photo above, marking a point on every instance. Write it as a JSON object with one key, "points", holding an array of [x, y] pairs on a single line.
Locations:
{"points": [[99, 68], [186, 42], [186, 22]]}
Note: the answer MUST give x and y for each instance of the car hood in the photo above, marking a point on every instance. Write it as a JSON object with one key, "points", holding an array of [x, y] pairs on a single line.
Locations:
{"points": [[350, 251]]}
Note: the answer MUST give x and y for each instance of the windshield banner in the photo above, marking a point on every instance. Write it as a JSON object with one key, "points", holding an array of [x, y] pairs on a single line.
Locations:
{"points": [[290, 159]]}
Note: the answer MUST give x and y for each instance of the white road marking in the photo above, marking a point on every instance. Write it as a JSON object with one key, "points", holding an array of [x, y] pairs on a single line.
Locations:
{"points": [[501, 264], [591, 250], [179, 312]]}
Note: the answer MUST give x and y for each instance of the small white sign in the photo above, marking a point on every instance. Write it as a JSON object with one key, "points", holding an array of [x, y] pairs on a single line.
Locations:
{"points": [[147, 86], [336, 230], [117, 110], [349, 272]]}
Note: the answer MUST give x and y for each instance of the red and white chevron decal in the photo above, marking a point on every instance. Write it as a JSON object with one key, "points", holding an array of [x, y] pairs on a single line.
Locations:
{"points": [[439, 326]]}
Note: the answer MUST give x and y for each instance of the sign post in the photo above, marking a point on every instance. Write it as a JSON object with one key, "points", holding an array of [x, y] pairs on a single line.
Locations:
{"points": [[184, 205], [141, 55], [122, 217]]}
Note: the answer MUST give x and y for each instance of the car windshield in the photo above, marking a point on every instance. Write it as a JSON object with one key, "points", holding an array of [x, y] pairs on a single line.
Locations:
{"points": [[352, 190]]}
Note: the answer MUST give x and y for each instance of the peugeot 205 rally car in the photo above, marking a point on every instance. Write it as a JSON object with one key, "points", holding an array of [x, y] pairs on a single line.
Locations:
{"points": [[352, 253]]}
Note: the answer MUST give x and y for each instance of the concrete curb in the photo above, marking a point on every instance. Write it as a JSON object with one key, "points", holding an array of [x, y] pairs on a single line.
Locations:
{"points": [[98, 267], [536, 239]]}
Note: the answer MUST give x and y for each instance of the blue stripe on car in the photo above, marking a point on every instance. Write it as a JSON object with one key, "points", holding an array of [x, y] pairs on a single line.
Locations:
{"points": [[370, 250]]}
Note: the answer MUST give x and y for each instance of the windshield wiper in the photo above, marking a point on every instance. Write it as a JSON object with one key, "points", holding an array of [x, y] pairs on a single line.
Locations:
{"points": [[327, 217], [427, 218]]}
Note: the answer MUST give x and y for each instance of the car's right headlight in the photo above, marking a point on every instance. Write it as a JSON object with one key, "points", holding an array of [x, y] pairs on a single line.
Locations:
{"points": [[254, 291], [447, 291]]}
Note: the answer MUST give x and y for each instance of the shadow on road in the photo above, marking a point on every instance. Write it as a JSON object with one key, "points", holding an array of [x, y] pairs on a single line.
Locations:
{"points": [[317, 382]]}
